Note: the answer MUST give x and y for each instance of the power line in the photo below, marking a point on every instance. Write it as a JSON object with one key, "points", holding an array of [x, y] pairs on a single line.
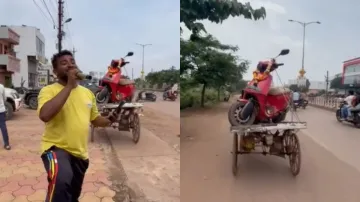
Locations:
{"points": [[46, 7], [44, 15], [53, 6]]}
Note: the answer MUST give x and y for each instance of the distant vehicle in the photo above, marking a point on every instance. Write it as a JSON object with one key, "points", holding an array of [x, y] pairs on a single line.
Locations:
{"points": [[31, 95], [30, 98], [13, 102], [93, 87]]}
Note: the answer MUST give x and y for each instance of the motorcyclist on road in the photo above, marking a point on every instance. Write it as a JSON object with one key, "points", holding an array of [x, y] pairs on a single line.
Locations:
{"points": [[296, 96], [355, 105], [345, 111]]}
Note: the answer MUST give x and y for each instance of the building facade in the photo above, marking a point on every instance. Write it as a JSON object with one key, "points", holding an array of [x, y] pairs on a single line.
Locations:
{"points": [[314, 85], [351, 73], [31, 52], [9, 61]]}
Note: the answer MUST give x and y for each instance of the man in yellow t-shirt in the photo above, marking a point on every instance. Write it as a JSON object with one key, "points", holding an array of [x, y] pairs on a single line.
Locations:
{"points": [[67, 110]]}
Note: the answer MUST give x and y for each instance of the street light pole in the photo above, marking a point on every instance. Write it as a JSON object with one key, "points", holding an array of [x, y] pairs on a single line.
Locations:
{"points": [[143, 55], [304, 24]]}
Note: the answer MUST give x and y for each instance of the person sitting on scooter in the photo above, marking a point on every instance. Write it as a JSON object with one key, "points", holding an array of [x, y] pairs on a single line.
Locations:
{"points": [[174, 88], [114, 68], [345, 111], [354, 104], [296, 96]]}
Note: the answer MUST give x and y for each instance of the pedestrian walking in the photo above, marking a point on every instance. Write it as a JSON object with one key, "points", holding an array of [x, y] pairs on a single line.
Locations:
{"points": [[3, 127], [67, 110]]}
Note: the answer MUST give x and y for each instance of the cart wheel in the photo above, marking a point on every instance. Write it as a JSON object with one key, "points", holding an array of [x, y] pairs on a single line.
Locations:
{"points": [[136, 128], [235, 154], [92, 133], [294, 152]]}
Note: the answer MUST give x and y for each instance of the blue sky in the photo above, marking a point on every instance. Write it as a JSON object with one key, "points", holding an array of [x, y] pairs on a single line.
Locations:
{"points": [[327, 45], [103, 31]]}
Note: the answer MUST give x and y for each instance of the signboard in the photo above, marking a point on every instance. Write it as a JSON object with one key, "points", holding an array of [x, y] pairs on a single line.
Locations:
{"points": [[43, 77]]}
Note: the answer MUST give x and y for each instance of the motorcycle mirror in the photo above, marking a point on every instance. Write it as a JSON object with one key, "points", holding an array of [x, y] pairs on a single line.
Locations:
{"points": [[284, 52], [129, 54]]}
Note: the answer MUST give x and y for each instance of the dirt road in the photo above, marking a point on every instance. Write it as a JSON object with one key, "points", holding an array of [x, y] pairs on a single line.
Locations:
{"points": [[151, 167], [330, 167]]}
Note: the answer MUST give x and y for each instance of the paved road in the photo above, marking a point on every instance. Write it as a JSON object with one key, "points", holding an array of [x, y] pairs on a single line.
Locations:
{"points": [[330, 166]]}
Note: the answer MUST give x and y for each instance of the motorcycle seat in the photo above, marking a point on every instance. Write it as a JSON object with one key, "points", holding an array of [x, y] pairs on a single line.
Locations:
{"points": [[278, 91], [124, 82]]}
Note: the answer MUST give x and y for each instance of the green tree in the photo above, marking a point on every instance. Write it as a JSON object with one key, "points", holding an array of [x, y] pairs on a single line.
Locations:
{"points": [[203, 59], [336, 83], [193, 11], [211, 63], [167, 76], [294, 87]]}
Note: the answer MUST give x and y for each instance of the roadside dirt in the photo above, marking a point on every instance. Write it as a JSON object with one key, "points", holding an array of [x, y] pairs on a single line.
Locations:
{"points": [[162, 125]]}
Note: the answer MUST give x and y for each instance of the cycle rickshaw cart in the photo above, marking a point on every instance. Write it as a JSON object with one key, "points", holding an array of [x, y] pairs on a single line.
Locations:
{"points": [[278, 139], [128, 118]]}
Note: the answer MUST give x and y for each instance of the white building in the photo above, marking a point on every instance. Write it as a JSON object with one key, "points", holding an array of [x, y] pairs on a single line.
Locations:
{"points": [[97, 75], [314, 85], [31, 52]]}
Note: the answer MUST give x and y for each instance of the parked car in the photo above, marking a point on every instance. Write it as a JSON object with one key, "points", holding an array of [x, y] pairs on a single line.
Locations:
{"points": [[30, 98], [31, 95], [13, 102], [93, 87]]}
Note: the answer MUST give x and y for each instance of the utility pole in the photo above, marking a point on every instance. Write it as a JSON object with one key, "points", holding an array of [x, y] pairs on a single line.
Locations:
{"points": [[74, 51], [60, 24], [132, 73], [327, 85], [303, 24], [143, 55]]}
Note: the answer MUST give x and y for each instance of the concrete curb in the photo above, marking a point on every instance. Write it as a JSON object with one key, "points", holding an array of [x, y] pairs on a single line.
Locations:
{"points": [[124, 189], [323, 107]]}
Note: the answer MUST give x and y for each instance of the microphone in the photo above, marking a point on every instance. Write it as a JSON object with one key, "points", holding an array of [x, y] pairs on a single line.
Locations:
{"points": [[82, 76]]}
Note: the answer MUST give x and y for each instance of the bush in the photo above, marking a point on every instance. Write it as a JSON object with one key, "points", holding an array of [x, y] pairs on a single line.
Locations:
{"points": [[192, 97]]}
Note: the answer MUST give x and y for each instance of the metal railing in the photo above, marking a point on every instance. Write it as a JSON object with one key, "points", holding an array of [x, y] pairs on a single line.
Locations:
{"points": [[330, 103]]}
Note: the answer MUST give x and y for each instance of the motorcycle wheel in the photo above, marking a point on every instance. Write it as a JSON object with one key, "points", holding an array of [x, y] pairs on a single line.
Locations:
{"points": [[338, 115], [153, 98], [234, 115], [356, 121], [106, 96]]}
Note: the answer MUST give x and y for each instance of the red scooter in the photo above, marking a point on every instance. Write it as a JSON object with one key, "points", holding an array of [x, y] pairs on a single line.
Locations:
{"points": [[259, 102], [111, 90]]}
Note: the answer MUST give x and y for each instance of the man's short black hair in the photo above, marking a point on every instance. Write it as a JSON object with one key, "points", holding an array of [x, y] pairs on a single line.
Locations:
{"points": [[56, 56], [351, 92]]}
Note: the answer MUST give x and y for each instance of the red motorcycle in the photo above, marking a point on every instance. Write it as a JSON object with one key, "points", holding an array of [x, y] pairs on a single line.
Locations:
{"points": [[112, 90], [259, 102]]}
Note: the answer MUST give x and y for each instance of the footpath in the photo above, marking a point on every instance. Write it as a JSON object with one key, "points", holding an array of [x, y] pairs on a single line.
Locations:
{"points": [[22, 174]]}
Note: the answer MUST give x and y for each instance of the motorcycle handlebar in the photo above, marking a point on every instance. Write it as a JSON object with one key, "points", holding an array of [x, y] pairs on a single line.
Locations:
{"points": [[279, 64]]}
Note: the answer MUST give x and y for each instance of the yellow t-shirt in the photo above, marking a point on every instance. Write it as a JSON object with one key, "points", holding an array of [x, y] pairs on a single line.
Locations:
{"points": [[69, 129]]}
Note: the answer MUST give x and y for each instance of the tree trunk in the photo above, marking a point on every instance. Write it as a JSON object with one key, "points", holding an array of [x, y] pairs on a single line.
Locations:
{"points": [[202, 102], [218, 96]]}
